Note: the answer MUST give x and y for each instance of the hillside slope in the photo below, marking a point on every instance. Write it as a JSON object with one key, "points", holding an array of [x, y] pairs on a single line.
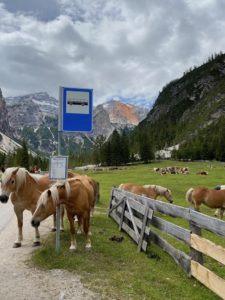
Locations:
{"points": [[188, 106]]}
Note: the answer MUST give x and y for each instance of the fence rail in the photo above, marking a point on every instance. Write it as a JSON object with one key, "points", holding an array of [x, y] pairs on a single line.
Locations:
{"points": [[135, 215]]}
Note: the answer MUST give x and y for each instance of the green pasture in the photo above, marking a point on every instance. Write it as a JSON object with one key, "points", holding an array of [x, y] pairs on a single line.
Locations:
{"points": [[115, 269]]}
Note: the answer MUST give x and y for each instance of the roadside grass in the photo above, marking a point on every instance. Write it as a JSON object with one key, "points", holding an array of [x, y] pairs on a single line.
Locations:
{"points": [[115, 269]]}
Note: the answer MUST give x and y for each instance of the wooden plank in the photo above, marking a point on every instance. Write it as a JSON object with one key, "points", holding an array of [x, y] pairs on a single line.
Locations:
{"points": [[180, 257], [116, 205], [195, 254], [144, 222], [207, 247], [122, 215], [137, 220], [207, 222], [132, 219], [132, 234], [129, 231], [156, 205], [172, 229], [110, 201], [208, 278], [136, 205]]}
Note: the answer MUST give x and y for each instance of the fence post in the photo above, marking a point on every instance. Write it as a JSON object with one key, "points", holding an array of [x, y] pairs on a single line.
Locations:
{"points": [[122, 213], [144, 222], [110, 202], [195, 254]]}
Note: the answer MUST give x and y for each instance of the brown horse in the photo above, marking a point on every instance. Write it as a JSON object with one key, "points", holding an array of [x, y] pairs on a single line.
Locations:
{"points": [[218, 212], [76, 198], [24, 190], [150, 191], [92, 186], [211, 198]]}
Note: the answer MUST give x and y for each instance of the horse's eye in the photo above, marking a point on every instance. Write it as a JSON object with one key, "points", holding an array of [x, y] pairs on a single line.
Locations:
{"points": [[42, 205], [12, 181]]}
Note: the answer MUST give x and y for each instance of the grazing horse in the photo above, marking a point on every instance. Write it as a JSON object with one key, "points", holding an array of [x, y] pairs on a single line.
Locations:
{"points": [[24, 190], [211, 198], [150, 191], [76, 198], [161, 191], [218, 211]]}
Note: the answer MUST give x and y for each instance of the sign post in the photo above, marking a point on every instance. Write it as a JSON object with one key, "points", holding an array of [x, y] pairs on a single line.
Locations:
{"points": [[58, 171], [75, 115]]}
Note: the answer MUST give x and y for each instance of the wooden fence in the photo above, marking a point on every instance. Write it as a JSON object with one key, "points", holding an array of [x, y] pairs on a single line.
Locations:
{"points": [[135, 215]]}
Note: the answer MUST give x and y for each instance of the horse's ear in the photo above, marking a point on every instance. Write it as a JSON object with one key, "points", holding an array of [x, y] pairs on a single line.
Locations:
{"points": [[49, 193], [2, 169], [15, 171]]}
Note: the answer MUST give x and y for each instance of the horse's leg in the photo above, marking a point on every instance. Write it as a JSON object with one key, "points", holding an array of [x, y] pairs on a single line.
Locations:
{"points": [[86, 225], [80, 225], [36, 241], [19, 215], [217, 212], [73, 243], [221, 213], [54, 222], [62, 210], [197, 207]]}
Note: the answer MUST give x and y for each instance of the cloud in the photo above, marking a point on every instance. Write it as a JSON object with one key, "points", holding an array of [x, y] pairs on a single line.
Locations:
{"points": [[119, 48]]}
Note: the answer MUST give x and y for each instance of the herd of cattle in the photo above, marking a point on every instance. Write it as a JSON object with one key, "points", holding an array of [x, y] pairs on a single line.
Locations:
{"points": [[176, 170]]}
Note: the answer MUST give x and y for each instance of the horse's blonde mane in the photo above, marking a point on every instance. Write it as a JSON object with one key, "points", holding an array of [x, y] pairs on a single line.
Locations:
{"points": [[54, 193], [158, 188], [20, 176]]}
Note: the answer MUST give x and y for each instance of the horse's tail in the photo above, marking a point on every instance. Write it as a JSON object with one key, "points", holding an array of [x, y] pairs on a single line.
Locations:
{"points": [[189, 195]]}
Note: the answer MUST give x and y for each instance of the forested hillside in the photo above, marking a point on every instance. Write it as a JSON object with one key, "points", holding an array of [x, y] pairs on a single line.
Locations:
{"points": [[190, 111]]}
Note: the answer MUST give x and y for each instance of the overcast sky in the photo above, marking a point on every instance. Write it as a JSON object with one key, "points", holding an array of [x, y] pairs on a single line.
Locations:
{"points": [[120, 48]]}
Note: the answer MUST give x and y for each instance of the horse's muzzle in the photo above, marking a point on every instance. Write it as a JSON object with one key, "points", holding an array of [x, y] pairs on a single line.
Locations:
{"points": [[35, 223], [4, 198]]}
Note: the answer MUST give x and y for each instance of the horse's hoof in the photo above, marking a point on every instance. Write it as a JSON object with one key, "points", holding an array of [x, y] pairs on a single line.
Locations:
{"points": [[36, 244], [72, 248], [16, 245], [79, 232], [53, 229], [88, 246], [62, 229]]}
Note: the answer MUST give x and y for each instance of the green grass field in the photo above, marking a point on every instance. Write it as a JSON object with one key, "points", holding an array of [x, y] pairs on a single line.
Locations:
{"points": [[116, 270]]}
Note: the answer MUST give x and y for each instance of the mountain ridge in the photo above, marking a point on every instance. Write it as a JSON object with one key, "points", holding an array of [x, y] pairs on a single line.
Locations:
{"points": [[33, 117]]}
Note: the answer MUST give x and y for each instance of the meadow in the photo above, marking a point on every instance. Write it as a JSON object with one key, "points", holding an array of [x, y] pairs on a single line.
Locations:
{"points": [[115, 269]]}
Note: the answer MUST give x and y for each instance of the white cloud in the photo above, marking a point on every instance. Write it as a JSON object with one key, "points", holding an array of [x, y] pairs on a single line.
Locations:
{"points": [[124, 48]]}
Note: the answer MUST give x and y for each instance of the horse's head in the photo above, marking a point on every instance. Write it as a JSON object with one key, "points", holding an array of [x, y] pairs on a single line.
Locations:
{"points": [[168, 195], [48, 201], [9, 183], [46, 206]]}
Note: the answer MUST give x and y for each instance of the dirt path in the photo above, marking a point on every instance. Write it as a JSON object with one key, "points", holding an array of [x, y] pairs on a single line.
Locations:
{"points": [[18, 281]]}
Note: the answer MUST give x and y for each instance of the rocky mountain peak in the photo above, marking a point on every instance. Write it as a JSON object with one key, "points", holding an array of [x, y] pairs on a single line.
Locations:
{"points": [[4, 123]]}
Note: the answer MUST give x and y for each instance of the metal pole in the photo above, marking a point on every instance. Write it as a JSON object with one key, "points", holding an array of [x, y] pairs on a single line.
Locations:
{"points": [[58, 208]]}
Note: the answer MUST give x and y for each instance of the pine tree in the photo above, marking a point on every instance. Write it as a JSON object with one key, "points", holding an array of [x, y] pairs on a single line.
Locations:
{"points": [[24, 156], [116, 148], [145, 148]]}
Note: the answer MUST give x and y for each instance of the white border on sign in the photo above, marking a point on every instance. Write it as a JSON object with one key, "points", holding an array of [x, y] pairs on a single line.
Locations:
{"points": [[58, 167]]}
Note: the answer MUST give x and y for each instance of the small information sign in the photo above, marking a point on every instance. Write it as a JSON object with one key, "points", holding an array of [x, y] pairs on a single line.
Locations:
{"points": [[58, 167]]}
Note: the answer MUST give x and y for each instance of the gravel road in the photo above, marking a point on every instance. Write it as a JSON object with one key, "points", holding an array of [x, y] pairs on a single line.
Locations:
{"points": [[18, 281]]}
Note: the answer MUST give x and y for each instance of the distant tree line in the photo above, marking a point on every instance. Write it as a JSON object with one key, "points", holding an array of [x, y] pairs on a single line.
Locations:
{"points": [[23, 158], [122, 148], [208, 144]]}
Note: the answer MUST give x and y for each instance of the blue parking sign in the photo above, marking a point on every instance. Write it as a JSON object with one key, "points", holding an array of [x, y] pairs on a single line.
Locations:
{"points": [[75, 109]]}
